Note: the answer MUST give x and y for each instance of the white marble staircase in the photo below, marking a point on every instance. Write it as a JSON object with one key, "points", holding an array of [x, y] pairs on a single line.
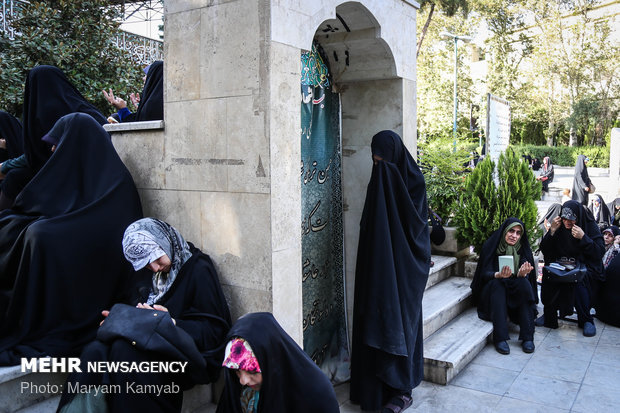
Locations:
{"points": [[453, 333]]}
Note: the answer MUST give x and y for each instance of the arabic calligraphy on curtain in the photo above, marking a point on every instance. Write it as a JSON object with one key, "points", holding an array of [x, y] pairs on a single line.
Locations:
{"points": [[324, 324]]}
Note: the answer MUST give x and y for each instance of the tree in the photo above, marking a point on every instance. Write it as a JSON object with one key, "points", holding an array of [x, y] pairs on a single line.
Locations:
{"points": [[449, 8], [75, 35], [484, 206]]}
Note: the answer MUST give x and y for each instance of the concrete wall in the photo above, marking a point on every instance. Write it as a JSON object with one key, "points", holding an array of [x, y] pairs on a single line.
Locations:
{"points": [[225, 169]]}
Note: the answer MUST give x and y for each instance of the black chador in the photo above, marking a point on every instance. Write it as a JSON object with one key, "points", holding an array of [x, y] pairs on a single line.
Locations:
{"points": [[588, 250], [500, 298], [61, 260], [393, 261], [11, 132], [151, 105], [291, 381], [581, 181]]}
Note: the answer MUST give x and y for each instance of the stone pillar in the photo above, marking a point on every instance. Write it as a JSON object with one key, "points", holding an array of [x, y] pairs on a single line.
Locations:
{"points": [[225, 170], [614, 160]]}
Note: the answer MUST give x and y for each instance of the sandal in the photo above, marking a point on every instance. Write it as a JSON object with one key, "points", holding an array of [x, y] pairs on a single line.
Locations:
{"points": [[398, 404]]}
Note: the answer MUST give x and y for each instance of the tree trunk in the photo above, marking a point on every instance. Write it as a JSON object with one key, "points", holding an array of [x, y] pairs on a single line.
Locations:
{"points": [[425, 28], [550, 133], [573, 137]]}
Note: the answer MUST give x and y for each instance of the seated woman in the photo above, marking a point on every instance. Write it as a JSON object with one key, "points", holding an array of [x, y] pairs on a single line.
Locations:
{"points": [[573, 234], [554, 211], [608, 299], [611, 236], [48, 96], [600, 212], [60, 255], [510, 291], [11, 140], [183, 282], [546, 174], [614, 210], [267, 372], [151, 102]]}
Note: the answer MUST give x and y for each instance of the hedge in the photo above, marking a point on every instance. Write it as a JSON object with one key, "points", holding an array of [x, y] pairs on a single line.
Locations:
{"points": [[566, 155]]}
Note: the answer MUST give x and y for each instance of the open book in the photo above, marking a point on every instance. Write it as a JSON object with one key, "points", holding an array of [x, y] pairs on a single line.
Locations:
{"points": [[506, 260]]}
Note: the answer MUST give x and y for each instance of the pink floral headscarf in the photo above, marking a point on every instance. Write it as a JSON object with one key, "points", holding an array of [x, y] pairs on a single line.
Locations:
{"points": [[239, 356]]}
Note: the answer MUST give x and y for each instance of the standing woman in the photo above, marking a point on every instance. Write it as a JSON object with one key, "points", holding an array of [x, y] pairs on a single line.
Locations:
{"points": [[546, 176], [599, 210], [393, 261], [267, 372], [582, 184], [508, 291]]}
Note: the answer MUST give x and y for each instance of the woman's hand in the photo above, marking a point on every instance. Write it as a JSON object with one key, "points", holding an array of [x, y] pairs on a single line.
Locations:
{"points": [[525, 269], [506, 272], [577, 232], [104, 313], [555, 224], [115, 101], [155, 307]]}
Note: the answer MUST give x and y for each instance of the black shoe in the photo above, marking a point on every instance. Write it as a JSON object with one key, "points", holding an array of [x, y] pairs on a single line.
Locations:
{"points": [[528, 346], [589, 330], [540, 321], [502, 347]]}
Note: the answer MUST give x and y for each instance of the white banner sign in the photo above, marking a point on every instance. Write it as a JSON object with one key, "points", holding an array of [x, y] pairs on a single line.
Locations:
{"points": [[498, 126]]}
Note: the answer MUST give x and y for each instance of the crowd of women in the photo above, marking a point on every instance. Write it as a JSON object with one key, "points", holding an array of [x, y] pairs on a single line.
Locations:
{"points": [[83, 273]]}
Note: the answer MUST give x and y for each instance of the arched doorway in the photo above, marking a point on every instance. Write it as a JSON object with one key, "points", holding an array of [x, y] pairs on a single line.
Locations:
{"points": [[349, 92]]}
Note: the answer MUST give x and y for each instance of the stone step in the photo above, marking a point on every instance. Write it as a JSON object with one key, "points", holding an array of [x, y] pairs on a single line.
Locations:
{"points": [[452, 347], [40, 393], [443, 268], [444, 301], [20, 390]]}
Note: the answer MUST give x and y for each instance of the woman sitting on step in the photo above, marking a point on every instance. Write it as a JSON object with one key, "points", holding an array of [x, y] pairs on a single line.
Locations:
{"points": [[509, 291], [266, 371]]}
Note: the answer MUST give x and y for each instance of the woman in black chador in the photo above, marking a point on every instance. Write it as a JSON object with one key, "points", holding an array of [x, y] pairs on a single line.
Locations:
{"points": [[581, 181], [573, 234], [267, 372], [48, 96], [393, 261], [608, 300], [506, 292], [600, 212], [11, 140], [181, 280], [614, 210], [60, 255], [151, 103]]}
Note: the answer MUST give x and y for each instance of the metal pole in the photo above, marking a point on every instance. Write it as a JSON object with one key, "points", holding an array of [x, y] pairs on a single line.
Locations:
{"points": [[455, 95]]}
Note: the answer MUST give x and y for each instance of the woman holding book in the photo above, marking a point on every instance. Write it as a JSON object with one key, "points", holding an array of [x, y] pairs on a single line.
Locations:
{"points": [[507, 290]]}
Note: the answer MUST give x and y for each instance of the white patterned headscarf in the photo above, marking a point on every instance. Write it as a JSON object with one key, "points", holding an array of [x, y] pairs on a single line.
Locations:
{"points": [[148, 239]]}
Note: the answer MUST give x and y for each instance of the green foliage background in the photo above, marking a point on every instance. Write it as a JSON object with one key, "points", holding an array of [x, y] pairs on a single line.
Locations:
{"points": [[567, 155], [76, 36], [484, 206]]}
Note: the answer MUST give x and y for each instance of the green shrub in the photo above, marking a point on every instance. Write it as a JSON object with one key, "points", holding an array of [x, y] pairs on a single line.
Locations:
{"points": [[444, 174], [484, 205], [566, 155]]}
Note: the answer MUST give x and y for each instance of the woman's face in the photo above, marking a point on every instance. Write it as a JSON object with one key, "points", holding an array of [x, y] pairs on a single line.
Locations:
{"points": [[596, 202], [160, 264], [568, 223], [250, 379], [514, 235], [608, 237]]}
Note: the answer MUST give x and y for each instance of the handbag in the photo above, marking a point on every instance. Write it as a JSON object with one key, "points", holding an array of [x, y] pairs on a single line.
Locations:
{"points": [[438, 234], [150, 330], [564, 272]]}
